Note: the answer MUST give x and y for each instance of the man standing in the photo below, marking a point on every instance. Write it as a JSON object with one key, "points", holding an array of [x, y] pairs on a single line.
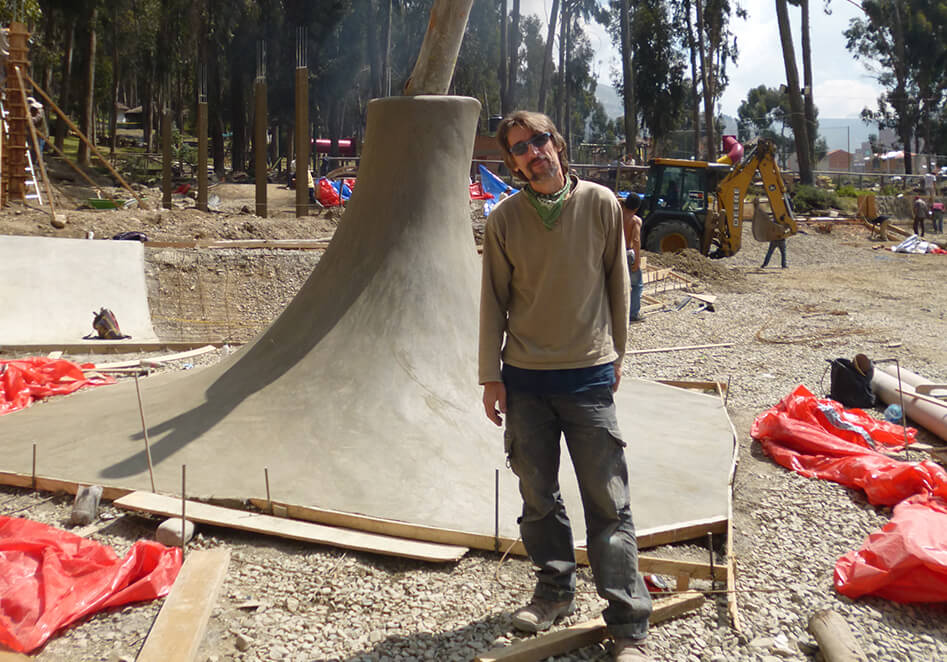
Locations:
{"points": [[632, 224], [553, 306], [920, 214]]}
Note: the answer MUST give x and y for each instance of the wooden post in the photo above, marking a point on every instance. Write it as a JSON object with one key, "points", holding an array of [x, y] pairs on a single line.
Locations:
{"points": [[302, 141], [836, 641], [166, 158], [435, 65], [202, 155], [259, 145], [14, 153]]}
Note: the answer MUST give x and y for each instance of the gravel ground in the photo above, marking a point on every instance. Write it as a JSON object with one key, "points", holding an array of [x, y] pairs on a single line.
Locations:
{"points": [[288, 601]]}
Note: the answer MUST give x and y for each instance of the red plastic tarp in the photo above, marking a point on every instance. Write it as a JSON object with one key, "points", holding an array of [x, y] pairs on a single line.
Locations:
{"points": [[906, 561], [25, 380], [50, 578], [799, 434], [477, 192]]}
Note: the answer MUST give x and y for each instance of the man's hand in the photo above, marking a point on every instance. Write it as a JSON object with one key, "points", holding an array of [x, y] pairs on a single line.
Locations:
{"points": [[617, 366], [494, 397]]}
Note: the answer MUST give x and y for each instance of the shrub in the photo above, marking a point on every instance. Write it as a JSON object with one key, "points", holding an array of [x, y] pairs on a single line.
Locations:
{"points": [[808, 198]]}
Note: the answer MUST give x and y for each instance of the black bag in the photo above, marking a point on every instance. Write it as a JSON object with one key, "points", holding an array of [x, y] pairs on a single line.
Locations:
{"points": [[851, 382]]}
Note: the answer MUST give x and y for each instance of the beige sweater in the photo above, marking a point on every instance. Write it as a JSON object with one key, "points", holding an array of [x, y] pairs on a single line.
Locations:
{"points": [[559, 296]]}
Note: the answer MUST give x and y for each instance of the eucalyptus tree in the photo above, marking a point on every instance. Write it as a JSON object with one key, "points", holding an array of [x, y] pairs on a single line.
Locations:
{"points": [[796, 106], [904, 41]]}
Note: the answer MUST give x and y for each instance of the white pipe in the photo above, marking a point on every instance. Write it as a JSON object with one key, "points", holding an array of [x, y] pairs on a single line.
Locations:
{"points": [[926, 412], [907, 377]]}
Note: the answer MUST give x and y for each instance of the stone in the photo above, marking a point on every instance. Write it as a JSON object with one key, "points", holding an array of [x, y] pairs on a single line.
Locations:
{"points": [[169, 532], [86, 505], [242, 642]]}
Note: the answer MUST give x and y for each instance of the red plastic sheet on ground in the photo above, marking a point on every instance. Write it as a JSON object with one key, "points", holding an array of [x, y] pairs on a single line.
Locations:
{"points": [[906, 561], [25, 380], [477, 192], [803, 434], [50, 578]]}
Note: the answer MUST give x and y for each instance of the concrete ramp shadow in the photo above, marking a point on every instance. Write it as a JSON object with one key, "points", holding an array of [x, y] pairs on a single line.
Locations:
{"points": [[362, 395]]}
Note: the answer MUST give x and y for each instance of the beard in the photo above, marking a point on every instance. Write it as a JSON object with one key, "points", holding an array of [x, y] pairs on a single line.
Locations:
{"points": [[542, 168]]}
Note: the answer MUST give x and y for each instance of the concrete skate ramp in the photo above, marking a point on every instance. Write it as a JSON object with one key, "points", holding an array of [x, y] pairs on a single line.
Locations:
{"points": [[362, 395], [52, 287]]}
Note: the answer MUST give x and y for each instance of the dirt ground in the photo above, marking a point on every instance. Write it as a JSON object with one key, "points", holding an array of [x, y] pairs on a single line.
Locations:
{"points": [[286, 601]]}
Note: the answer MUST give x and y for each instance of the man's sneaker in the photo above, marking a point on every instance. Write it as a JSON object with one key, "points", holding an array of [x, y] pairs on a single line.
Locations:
{"points": [[539, 614], [630, 650], [636, 319]]}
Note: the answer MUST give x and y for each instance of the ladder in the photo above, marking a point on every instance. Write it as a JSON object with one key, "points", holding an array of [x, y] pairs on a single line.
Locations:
{"points": [[31, 182]]}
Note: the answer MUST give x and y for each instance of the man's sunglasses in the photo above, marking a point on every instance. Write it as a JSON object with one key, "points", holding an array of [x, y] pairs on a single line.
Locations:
{"points": [[536, 141]]}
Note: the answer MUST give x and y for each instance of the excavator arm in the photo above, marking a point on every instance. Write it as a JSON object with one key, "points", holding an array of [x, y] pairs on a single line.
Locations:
{"points": [[731, 195]]}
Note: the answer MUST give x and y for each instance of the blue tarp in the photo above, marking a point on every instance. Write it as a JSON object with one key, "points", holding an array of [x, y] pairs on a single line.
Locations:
{"points": [[494, 186]]}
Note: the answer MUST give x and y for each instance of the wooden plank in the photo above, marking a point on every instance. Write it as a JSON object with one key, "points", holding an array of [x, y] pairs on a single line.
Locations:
{"points": [[292, 529], [116, 346], [674, 568], [695, 385], [678, 349], [285, 244], [43, 484], [646, 538], [135, 363], [706, 298], [680, 532], [9, 656], [585, 634], [650, 276], [177, 632]]}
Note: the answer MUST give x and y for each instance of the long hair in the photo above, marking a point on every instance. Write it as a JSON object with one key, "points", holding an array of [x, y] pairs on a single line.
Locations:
{"points": [[537, 123]]}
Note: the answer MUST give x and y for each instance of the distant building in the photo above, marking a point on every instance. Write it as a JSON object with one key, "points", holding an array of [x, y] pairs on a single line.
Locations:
{"points": [[837, 159]]}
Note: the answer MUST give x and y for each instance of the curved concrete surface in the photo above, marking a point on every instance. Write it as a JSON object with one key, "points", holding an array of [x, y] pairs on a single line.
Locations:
{"points": [[52, 288], [362, 395]]}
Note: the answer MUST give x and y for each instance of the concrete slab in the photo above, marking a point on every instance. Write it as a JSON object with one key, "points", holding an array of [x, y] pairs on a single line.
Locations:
{"points": [[362, 396], [53, 287]]}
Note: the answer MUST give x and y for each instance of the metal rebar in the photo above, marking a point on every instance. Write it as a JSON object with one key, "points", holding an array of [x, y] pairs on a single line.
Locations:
{"points": [[144, 432], [726, 396], [266, 477], [496, 510], [34, 467], [710, 551], [183, 507]]}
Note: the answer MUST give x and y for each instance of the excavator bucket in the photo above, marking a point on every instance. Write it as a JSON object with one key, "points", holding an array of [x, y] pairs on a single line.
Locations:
{"points": [[765, 228]]}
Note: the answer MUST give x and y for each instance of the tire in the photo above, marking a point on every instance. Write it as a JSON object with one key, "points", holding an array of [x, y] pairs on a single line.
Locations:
{"points": [[672, 236]]}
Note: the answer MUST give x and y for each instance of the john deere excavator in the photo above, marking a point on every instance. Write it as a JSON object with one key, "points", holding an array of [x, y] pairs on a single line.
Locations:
{"points": [[699, 204]]}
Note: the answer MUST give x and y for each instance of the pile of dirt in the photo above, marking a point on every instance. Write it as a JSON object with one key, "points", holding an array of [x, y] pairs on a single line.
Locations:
{"points": [[690, 262]]}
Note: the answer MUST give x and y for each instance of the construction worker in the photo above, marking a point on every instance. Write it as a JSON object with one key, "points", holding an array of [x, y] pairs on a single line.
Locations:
{"points": [[632, 225], [553, 306]]}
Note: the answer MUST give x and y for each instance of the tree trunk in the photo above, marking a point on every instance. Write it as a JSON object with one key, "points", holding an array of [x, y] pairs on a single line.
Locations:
{"points": [[238, 115], [386, 62], [900, 100], [503, 68], [692, 47], [513, 54], [798, 120], [705, 83], [87, 118], [547, 59], [807, 80], [65, 96], [113, 111], [374, 57], [566, 127], [628, 80], [561, 96]]}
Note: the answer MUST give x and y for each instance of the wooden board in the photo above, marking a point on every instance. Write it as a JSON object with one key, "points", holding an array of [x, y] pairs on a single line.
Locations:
{"points": [[291, 244], [113, 347], [285, 528], [135, 363], [44, 484], [177, 632], [646, 537], [584, 634]]}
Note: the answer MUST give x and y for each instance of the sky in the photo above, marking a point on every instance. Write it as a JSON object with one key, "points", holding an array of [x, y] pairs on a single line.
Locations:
{"points": [[842, 85]]}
